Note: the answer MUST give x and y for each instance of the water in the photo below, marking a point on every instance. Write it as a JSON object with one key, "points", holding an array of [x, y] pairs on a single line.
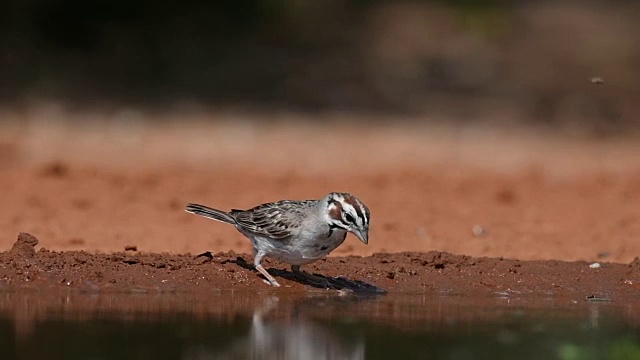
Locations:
{"points": [[317, 325]]}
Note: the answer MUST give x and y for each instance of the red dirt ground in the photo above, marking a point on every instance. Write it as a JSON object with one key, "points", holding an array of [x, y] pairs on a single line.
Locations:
{"points": [[432, 272], [484, 197]]}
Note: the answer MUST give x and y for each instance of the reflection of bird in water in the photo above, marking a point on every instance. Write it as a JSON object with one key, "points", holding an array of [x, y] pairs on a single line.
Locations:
{"points": [[296, 338]]}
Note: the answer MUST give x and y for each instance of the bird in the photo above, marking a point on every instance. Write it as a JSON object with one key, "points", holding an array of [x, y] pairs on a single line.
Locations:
{"points": [[297, 232]]}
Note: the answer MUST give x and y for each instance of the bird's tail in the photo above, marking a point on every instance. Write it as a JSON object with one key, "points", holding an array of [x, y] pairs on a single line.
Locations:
{"points": [[210, 213]]}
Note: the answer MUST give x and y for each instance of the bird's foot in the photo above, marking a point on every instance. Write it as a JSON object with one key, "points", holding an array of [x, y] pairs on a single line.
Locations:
{"points": [[270, 280]]}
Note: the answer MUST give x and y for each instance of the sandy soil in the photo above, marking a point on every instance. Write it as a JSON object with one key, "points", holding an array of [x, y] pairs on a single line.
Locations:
{"points": [[431, 272], [480, 194]]}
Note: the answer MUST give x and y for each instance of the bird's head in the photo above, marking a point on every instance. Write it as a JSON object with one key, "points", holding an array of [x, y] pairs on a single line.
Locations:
{"points": [[347, 212]]}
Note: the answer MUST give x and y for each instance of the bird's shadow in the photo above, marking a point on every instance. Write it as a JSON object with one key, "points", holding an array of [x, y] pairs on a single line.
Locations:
{"points": [[319, 281]]}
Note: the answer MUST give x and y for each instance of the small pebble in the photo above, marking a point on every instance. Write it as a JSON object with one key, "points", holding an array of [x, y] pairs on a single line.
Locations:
{"points": [[595, 266], [478, 231]]}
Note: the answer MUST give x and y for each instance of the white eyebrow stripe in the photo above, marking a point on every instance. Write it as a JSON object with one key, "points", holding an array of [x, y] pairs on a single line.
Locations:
{"points": [[349, 208], [364, 213]]}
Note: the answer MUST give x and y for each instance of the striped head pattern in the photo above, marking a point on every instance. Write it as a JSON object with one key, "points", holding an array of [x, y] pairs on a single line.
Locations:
{"points": [[347, 212]]}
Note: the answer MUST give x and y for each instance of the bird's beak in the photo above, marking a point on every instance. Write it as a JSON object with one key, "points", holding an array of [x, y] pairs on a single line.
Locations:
{"points": [[363, 235]]}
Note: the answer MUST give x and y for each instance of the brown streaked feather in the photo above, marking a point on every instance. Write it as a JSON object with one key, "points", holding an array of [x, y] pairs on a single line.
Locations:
{"points": [[272, 220], [351, 200], [336, 212]]}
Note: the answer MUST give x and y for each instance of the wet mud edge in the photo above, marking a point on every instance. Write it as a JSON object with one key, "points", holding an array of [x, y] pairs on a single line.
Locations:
{"points": [[438, 273]]}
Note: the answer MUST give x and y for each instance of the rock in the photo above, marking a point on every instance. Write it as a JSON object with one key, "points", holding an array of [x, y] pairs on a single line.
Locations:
{"points": [[25, 246]]}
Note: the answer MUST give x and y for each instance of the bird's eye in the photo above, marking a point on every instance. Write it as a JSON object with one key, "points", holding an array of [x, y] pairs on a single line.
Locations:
{"points": [[349, 218]]}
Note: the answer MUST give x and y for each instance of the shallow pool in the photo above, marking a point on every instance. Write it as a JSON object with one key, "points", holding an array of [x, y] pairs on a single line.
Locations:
{"points": [[40, 324]]}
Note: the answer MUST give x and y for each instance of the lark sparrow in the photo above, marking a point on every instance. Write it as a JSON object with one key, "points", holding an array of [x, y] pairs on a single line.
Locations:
{"points": [[297, 232]]}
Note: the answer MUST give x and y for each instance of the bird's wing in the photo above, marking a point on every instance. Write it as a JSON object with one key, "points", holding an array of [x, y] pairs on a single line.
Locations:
{"points": [[273, 220]]}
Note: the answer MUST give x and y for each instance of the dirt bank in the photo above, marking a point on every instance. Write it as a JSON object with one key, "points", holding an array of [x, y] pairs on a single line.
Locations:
{"points": [[432, 272]]}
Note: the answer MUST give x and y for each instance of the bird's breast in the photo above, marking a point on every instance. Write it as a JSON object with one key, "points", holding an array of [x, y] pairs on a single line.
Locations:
{"points": [[302, 249]]}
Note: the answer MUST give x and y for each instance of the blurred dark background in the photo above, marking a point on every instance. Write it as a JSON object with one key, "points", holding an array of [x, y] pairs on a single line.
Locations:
{"points": [[548, 62]]}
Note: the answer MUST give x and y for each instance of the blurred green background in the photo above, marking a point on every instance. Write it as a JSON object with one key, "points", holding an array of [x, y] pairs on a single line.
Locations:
{"points": [[531, 61]]}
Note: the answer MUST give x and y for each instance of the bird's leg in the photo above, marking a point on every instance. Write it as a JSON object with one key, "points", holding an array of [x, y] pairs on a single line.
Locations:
{"points": [[256, 262]]}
